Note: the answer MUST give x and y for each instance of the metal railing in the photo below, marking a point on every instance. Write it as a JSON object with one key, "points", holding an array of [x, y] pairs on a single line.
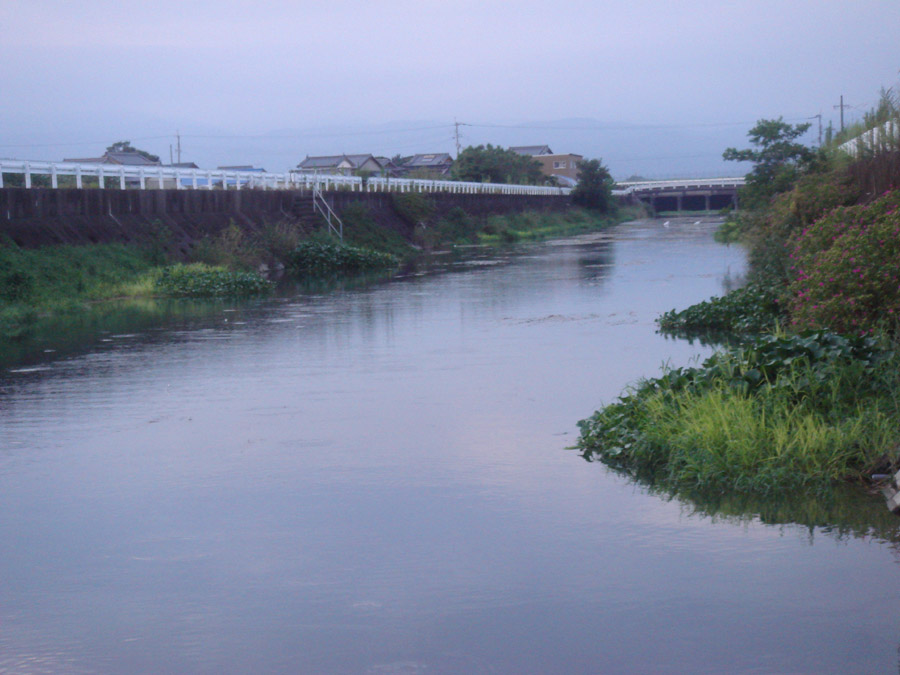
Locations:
{"points": [[627, 188], [167, 177], [323, 207]]}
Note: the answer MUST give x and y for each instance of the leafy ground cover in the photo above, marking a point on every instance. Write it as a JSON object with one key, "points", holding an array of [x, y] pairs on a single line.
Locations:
{"points": [[751, 309], [790, 411], [324, 255], [205, 281]]}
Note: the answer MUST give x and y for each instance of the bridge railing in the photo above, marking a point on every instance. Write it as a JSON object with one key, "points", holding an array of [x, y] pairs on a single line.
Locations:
{"points": [[626, 188], [156, 177]]}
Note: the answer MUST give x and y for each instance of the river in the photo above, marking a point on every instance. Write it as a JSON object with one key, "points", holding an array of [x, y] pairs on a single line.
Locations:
{"points": [[380, 480]]}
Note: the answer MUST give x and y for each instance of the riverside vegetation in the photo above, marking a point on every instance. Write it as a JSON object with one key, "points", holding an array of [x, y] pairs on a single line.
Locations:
{"points": [[810, 396], [54, 281]]}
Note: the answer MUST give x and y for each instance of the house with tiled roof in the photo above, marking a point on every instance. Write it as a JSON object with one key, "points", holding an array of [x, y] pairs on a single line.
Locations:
{"points": [[340, 164], [432, 165], [124, 158], [532, 150]]}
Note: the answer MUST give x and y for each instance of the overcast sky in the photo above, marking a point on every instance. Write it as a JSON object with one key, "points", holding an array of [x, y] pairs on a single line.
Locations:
{"points": [[269, 82]]}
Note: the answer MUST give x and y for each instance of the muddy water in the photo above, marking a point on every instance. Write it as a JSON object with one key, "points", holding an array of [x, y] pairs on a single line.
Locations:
{"points": [[377, 480]]}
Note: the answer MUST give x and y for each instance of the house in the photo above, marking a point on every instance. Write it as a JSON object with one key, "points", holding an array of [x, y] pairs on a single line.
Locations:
{"points": [[532, 150], [433, 165], [563, 167], [560, 166], [346, 165], [124, 158], [389, 167]]}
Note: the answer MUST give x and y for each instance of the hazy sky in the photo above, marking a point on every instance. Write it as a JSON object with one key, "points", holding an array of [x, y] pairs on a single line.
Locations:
{"points": [[268, 82]]}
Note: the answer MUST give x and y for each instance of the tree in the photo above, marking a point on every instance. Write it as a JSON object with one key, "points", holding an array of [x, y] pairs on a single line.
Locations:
{"points": [[125, 146], [489, 164], [594, 188], [778, 160]]}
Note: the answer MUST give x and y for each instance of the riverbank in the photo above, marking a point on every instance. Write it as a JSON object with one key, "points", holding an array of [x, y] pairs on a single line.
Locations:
{"points": [[37, 284], [810, 396]]}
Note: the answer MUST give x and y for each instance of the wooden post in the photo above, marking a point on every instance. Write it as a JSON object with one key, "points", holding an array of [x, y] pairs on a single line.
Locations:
{"points": [[53, 182], [78, 176], [101, 179]]}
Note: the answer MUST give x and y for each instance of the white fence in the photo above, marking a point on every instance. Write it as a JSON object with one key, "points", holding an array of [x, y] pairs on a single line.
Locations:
{"points": [[155, 177], [683, 184], [886, 136]]}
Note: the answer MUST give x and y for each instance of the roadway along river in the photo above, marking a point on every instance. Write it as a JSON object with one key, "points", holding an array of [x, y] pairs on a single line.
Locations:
{"points": [[378, 481]]}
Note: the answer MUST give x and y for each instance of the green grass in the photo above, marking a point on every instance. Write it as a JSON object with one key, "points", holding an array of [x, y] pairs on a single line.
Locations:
{"points": [[62, 280], [789, 412], [534, 226], [199, 280]]}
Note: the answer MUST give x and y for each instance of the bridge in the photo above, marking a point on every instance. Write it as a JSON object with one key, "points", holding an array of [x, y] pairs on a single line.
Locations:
{"points": [[700, 194]]}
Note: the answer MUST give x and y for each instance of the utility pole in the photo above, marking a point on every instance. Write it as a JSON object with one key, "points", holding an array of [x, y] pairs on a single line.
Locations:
{"points": [[819, 117], [178, 137], [456, 124], [842, 106]]}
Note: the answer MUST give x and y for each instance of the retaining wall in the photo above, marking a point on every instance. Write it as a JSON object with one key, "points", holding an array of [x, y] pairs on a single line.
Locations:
{"points": [[40, 217]]}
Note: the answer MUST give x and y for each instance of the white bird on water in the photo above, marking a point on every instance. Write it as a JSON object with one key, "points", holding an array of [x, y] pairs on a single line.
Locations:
{"points": [[666, 224]]}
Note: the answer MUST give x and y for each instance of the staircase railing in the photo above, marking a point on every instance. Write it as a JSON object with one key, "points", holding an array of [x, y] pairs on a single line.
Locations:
{"points": [[322, 206]]}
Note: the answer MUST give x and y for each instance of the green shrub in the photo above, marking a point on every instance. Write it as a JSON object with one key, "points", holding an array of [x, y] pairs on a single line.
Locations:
{"points": [[231, 247], [323, 256], [201, 280], [783, 412], [751, 309], [362, 231], [414, 207], [844, 272]]}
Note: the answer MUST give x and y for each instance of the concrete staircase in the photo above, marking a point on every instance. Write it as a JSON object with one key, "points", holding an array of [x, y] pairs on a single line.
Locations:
{"points": [[303, 209]]}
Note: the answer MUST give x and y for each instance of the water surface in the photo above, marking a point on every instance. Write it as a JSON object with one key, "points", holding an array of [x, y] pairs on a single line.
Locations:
{"points": [[377, 480]]}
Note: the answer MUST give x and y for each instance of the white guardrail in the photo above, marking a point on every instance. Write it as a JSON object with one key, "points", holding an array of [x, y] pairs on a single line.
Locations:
{"points": [[627, 188], [156, 177], [883, 137]]}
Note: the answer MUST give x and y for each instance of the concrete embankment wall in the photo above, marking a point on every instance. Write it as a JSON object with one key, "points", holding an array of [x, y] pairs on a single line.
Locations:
{"points": [[40, 217]]}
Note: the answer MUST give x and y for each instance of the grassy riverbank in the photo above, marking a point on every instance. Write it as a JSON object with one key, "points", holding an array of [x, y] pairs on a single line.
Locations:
{"points": [[63, 280], [811, 394]]}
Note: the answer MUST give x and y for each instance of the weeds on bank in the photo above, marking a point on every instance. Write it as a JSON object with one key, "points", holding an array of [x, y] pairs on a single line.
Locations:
{"points": [[785, 412], [324, 255], [202, 280], [751, 309]]}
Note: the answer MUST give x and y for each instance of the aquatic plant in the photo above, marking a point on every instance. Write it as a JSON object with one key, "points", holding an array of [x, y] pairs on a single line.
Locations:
{"points": [[783, 412], [201, 280], [751, 309], [323, 255]]}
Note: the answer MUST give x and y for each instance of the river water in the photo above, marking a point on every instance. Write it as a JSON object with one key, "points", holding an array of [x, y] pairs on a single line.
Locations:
{"points": [[379, 480]]}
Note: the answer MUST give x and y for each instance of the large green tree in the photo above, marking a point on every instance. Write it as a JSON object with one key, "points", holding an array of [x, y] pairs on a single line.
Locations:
{"points": [[778, 158], [490, 164], [594, 187]]}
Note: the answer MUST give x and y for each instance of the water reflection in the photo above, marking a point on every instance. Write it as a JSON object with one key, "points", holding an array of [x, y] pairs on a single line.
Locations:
{"points": [[841, 512]]}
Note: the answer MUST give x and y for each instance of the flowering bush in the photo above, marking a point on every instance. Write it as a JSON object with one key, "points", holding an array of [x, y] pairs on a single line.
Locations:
{"points": [[845, 268]]}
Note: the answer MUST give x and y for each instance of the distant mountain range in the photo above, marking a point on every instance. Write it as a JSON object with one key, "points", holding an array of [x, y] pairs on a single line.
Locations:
{"points": [[651, 151]]}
